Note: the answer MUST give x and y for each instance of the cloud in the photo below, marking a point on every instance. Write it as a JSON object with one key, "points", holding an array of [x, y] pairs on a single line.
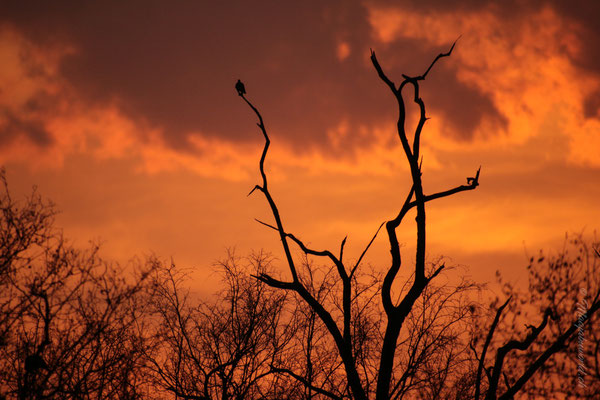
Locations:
{"points": [[176, 67], [140, 80], [343, 51], [33, 130], [45, 120], [523, 65], [306, 64]]}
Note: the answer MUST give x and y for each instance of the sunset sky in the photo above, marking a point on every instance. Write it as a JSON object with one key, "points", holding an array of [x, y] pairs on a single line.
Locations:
{"points": [[125, 115]]}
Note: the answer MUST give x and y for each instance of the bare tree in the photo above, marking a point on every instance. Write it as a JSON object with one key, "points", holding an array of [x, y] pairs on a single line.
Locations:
{"points": [[396, 312], [73, 325], [547, 341], [68, 318], [422, 347], [314, 365], [225, 348], [23, 228]]}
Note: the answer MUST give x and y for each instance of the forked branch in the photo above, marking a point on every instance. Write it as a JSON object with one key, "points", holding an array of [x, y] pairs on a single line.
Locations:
{"points": [[513, 345], [397, 313], [415, 199], [488, 340], [556, 346], [343, 341]]}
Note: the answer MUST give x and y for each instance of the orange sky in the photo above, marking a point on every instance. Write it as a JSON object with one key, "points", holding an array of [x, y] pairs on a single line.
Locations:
{"points": [[126, 116]]}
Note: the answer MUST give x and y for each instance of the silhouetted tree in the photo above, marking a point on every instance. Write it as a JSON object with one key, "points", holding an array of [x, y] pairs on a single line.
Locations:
{"points": [[224, 348], [68, 318], [564, 358], [420, 337], [22, 227], [75, 326], [309, 358]]}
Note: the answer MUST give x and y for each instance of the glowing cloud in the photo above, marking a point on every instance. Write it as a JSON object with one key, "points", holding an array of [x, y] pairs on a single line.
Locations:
{"points": [[524, 64]]}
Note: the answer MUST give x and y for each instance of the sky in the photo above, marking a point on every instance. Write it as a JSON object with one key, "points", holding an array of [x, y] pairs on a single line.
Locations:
{"points": [[126, 116]]}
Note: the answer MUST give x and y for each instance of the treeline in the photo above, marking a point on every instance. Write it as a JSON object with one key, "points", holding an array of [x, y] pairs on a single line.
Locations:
{"points": [[76, 326]]}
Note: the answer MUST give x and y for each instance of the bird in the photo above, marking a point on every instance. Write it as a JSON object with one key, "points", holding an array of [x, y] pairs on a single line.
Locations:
{"points": [[474, 181], [241, 89]]}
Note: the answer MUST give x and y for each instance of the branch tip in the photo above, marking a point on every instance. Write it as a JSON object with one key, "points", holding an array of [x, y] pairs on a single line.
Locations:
{"points": [[454, 44], [265, 224], [253, 189], [342, 247]]}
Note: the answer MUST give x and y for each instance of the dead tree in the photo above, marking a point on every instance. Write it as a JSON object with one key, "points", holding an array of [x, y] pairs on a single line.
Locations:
{"points": [[396, 312]]}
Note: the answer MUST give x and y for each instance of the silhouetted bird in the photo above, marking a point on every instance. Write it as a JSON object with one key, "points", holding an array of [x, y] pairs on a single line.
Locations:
{"points": [[474, 181], [241, 89]]}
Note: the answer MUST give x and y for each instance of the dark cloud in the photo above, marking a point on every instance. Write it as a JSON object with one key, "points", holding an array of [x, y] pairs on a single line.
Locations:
{"points": [[32, 128], [585, 14], [175, 65], [29, 118], [462, 107], [591, 106]]}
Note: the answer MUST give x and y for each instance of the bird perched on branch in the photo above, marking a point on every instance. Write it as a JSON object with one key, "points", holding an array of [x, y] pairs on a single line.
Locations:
{"points": [[241, 89], [474, 181]]}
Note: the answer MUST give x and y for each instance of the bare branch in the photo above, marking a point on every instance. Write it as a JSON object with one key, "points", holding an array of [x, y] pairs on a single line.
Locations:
{"points": [[382, 74], [365, 250], [306, 383], [513, 345], [323, 253], [342, 247], [388, 280], [474, 181], [401, 109], [253, 189], [422, 77], [275, 282], [436, 272], [488, 340], [265, 224], [556, 346], [261, 125], [450, 192], [264, 189]]}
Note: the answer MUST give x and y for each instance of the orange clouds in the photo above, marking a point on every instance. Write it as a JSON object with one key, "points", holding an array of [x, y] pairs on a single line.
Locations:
{"points": [[153, 150], [28, 87], [44, 120], [343, 51], [54, 122], [524, 63]]}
